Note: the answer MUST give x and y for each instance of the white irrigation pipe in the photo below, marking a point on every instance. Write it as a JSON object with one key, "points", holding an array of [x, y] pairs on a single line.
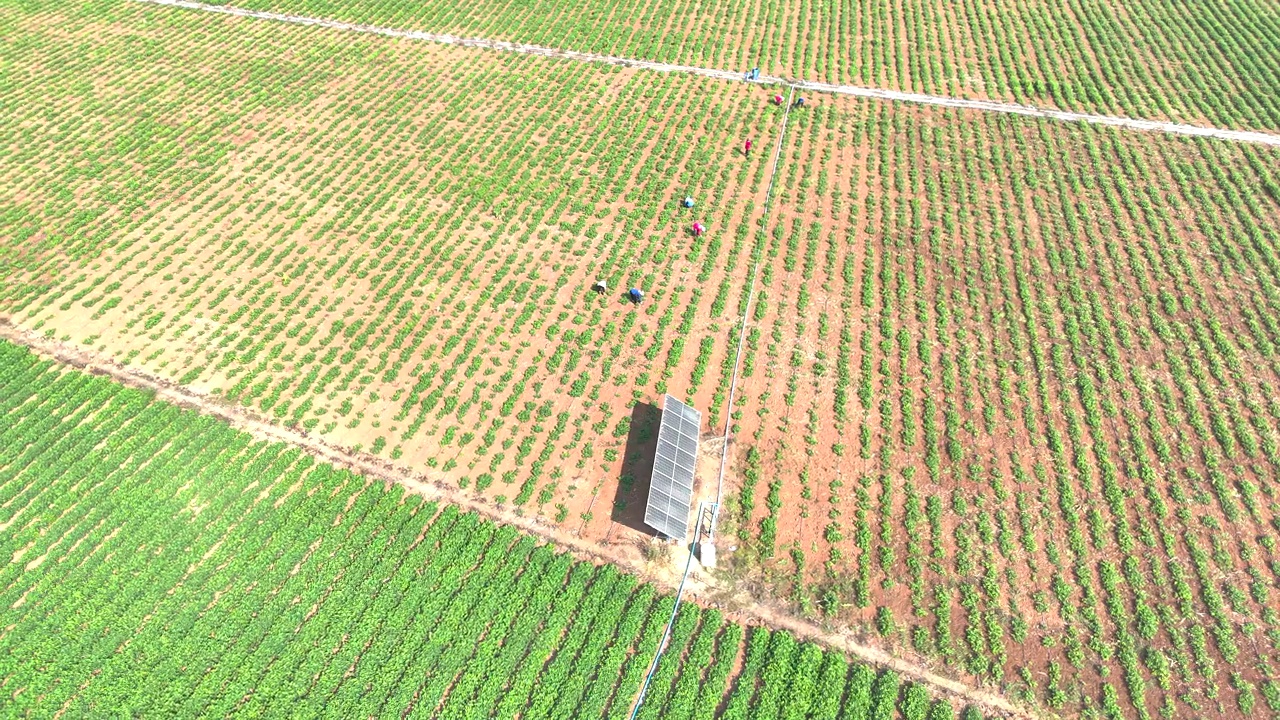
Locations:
{"points": [[671, 621], [855, 90], [746, 315]]}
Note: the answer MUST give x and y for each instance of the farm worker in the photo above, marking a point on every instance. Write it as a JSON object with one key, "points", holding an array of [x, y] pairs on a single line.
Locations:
{"points": [[698, 229], [746, 148], [755, 73], [777, 100], [688, 202], [799, 102], [636, 295]]}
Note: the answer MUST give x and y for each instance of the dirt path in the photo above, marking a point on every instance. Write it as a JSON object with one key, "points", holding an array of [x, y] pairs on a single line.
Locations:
{"points": [[858, 91], [746, 609]]}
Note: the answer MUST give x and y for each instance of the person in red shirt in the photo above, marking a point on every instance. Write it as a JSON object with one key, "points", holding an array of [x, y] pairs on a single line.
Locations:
{"points": [[698, 229], [746, 148], [777, 100]]}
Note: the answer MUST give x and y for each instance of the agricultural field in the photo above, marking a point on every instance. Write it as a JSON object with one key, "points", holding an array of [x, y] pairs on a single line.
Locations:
{"points": [[347, 243], [1216, 62], [165, 565], [1007, 400]]}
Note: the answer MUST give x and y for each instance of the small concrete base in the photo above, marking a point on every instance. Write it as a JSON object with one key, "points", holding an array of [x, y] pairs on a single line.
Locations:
{"points": [[707, 554]]}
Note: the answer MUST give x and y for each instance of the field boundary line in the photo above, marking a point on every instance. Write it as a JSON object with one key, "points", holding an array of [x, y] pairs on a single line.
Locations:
{"points": [[749, 612], [990, 106]]}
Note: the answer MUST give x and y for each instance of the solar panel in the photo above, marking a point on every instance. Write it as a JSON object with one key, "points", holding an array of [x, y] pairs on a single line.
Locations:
{"points": [[671, 489]]}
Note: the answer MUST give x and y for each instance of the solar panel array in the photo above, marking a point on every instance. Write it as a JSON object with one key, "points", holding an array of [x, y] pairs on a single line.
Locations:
{"points": [[671, 489]]}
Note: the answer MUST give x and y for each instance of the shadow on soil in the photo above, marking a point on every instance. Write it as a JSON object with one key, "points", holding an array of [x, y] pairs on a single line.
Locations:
{"points": [[637, 468]]}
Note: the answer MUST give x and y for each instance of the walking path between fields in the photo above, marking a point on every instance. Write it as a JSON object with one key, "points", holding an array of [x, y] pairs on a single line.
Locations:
{"points": [[373, 467], [855, 90]]}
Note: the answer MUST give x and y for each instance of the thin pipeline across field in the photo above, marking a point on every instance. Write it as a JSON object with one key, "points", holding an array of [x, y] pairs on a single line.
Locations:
{"points": [[855, 90]]}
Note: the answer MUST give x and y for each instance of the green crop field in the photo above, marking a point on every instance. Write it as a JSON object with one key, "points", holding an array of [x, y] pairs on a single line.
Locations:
{"points": [[1006, 405], [165, 565], [1009, 398], [1215, 61]]}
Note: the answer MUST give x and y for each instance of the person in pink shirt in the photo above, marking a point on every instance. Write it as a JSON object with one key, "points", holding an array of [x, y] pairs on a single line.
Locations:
{"points": [[746, 148]]}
